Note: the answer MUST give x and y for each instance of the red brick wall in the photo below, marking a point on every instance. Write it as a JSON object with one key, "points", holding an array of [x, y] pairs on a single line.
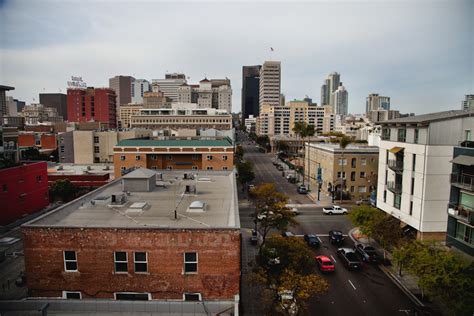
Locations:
{"points": [[21, 192], [218, 268], [49, 141], [26, 140], [104, 105]]}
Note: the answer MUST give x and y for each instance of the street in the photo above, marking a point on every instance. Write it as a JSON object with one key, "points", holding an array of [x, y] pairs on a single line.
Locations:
{"points": [[367, 292]]}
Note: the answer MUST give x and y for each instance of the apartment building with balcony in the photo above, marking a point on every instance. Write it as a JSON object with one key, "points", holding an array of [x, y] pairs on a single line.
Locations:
{"points": [[172, 153], [460, 229], [414, 168]]}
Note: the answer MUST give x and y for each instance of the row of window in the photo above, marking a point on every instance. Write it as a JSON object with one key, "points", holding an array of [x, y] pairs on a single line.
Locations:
{"points": [[362, 175], [140, 262], [170, 157], [182, 121], [133, 296], [123, 168], [363, 162]]}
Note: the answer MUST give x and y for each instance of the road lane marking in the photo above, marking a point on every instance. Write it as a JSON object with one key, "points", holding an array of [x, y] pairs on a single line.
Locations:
{"points": [[352, 284], [334, 260]]}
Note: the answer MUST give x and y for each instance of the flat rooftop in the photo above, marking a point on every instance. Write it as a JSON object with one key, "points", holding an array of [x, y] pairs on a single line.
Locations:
{"points": [[200, 142], [155, 209], [430, 117], [351, 148]]}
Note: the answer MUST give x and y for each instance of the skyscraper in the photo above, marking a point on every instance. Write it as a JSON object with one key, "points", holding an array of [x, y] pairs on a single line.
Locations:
{"points": [[138, 88], [122, 87], [376, 102], [341, 101], [270, 83], [329, 87], [3, 99], [250, 91], [325, 93], [468, 103]]}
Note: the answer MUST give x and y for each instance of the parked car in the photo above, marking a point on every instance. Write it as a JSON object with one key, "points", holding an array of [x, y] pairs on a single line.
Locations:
{"points": [[264, 215], [334, 210], [254, 237], [288, 234], [312, 240], [325, 264], [349, 258], [250, 187], [302, 189], [363, 202], [336, 237], [367, 253], [280, 168], [294, 210]]}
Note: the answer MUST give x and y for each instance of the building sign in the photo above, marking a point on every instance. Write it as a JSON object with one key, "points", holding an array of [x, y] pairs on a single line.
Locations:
{"points": [[76, 82]]}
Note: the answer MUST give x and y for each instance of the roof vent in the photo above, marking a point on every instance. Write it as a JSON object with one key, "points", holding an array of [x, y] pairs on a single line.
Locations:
{"points": [[137, 207], [197, 207], [119, 198], [101, 200], [190, 189], [188, 176]]}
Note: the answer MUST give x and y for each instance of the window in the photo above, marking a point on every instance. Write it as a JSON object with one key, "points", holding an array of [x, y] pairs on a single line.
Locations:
{"points": [[416, 136], [412, 186], [96, 149], [192, 297], [353, 162], [362, 189], [352, 189], [123, 168], [190, 262], [138, 158], [386, 177], [413, 164], [363, 161], [169, 167], [467, 134], [397, 201], [140, 262], [362, 174], [209, 157], [224, 168], [411, 208], [385, 196], [122, 157], [402, 133], [70, 261], [386, 134], [210, 168], [339, 175], [154, 157], [121, 262], [38, 179], [342, 161], [130, 296], [195, 157], [169, 157], [96, 139], [194, 168], [353, 176], [224, 157], [72, 295], [386, 157]]}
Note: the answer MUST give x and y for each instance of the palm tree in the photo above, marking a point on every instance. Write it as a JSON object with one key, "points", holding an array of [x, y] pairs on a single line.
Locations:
{"points": [[304, 130], [344, 141]]}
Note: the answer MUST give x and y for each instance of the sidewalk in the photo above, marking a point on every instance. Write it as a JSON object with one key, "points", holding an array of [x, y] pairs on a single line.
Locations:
{"points": [[407, 283]]}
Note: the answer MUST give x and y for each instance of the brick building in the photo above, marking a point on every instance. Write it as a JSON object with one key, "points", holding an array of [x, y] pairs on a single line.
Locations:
{"points": [[92, 104], [146, 236], [192, 153], [42, 141], [23, 191]]}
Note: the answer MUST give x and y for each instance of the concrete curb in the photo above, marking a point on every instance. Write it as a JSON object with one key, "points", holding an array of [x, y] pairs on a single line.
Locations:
{"points": [[391, 276]]}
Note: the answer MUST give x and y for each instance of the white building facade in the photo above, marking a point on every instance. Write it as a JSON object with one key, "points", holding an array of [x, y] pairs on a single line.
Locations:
{"points": [[270, 83], [414, 168], [138, 88]]}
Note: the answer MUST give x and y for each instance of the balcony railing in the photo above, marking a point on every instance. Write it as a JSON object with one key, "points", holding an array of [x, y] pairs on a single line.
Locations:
{"points": [[394, 187], [461, 212], [395, 165], [463, 181]]}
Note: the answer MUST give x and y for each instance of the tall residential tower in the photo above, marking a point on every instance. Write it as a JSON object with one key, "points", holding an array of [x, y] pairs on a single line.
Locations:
{"points": [[270, 83]]}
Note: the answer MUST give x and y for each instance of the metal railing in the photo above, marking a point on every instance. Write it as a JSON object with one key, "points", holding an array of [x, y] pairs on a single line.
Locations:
{"points": [[461, 212], [394, 187], [462, 180], [396, 165]]}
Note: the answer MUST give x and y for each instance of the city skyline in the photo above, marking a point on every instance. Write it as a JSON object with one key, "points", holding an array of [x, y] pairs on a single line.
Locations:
{"points": [[408, 55]]}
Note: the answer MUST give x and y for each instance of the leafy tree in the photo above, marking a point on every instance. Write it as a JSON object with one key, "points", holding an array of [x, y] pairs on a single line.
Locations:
{"points": [[270, 210], [264, 142], [239, 153], [245, 171], [282, 147], [363, 217], [62, 190]]}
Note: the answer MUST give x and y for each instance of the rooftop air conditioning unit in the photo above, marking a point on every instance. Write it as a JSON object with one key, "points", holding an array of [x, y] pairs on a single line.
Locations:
{"points": [[190, 189]]}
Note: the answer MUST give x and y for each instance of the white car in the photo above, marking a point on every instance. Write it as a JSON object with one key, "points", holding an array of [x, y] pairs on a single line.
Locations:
{"points": [[334, 210]]}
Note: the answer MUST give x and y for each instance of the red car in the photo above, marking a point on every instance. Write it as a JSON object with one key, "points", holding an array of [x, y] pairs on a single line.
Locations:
{"points": [[324, 264]]}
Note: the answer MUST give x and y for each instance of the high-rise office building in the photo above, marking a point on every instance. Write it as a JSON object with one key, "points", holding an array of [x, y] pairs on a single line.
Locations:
{"points": [[55, 100], [325, 93], [214, 93], [138, 88], [376, 102], [3, 99], [169, 86], [92, 104], [341, 101], [270, 83], [468, 102], [122, 87], [250, 91]]}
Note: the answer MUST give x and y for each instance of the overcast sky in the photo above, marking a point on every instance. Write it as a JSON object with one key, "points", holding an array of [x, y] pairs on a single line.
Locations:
{"points": [[420, 53]]}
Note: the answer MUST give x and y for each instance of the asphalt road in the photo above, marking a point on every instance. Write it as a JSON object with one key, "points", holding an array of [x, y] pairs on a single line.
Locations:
{"points": [[366, 292]]}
